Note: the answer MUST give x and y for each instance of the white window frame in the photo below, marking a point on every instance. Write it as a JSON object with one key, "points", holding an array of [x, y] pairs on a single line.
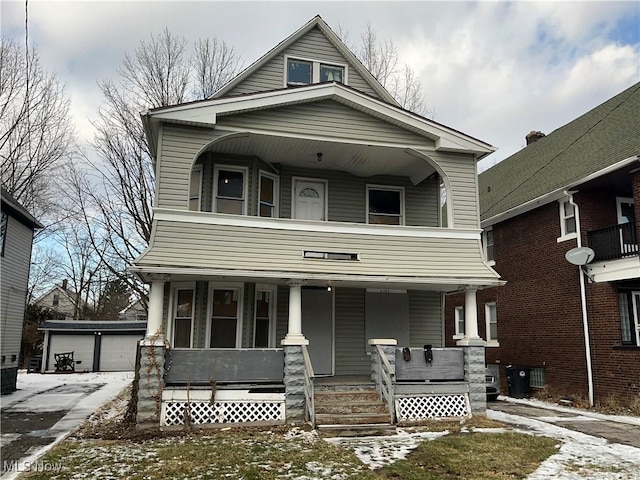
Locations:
{"points": [[173, 303], [485, 246], [273, 292], [315, 69], [491, 342], [225, 286], [564, 235], [619, 202], [276, 192], [196, 168], [458, 316], [245, 186], [389, 188]]}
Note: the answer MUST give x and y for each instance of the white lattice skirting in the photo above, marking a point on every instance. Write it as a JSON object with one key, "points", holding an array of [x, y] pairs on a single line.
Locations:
{"points": [[414, 408], [229, 407]]}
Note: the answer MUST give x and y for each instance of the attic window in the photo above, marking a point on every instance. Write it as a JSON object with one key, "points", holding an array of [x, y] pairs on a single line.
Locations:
{"points": [[305, 72], [349, 257]]}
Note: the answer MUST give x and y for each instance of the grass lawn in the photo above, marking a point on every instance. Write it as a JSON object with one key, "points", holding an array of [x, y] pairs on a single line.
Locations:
{"points": [[292, 454]]}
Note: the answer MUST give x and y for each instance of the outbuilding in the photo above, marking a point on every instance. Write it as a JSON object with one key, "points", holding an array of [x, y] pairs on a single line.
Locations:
{"points": [[94, 346]]}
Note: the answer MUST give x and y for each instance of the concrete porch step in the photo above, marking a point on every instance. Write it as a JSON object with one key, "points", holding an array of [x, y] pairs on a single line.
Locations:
{"points": [[352, 418], [345, 396], [336, 408]]}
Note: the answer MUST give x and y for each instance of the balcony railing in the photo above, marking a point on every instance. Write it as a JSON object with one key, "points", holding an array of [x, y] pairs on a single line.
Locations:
{"points": [[615, 242]]}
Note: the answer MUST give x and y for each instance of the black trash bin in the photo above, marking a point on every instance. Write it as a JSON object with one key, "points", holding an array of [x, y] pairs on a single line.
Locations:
{"points": [[518, 381]]}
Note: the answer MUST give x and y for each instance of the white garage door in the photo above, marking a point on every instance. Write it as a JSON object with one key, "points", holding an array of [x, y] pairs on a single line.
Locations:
{"points": [[118, 352], [80, 345]]}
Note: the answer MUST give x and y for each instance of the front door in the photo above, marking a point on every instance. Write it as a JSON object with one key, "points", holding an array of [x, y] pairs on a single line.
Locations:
{"points": [[317, 327], [626, 220], [309, 198]]}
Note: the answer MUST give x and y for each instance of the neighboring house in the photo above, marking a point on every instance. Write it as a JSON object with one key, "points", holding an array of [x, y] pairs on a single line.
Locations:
{"points": [[134, 312], [16, 237], [298, 239], [61, 300], [577, 186]]}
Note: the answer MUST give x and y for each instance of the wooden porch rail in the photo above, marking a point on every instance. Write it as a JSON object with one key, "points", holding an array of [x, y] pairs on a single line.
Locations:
{"points": [[310, 408], [612, 243], [385, 380]]}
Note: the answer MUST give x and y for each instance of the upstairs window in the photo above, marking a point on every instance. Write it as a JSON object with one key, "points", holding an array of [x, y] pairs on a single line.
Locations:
{"points": [[385, 205], [305, 72], [195, 187], [567, 221], [230, 190], [488, 244], [268, 195]]}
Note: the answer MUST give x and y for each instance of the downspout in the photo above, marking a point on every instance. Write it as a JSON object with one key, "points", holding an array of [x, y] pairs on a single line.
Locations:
{"points": [[583, 300]]}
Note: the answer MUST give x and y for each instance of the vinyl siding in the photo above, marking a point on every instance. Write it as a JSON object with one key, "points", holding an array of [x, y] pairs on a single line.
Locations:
{"points": [[425, 318], [15, 275], [461, 172], [214, 246], [314, 46], [347, 195], [325, 118]]}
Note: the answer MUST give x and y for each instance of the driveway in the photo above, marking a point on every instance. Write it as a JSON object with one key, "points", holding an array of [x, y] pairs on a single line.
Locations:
{"points": [[46, 408]]}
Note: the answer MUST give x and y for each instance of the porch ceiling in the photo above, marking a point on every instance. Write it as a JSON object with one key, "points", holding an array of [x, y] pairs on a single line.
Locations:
{"points": [[359, 159]]}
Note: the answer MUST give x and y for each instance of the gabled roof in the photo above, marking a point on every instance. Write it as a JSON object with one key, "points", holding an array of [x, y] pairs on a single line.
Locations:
{"points": [[603, 139], [70, 294], [11, 205], [205, 113], [318, 22]]}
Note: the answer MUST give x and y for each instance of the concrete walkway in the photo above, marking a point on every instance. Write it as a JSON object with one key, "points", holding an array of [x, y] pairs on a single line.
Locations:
{"points": [[613, 428]]}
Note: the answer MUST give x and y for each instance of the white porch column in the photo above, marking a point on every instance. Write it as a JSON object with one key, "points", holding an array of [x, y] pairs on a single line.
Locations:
{"points": [[294, 334], [154, 333], [470, 319]]}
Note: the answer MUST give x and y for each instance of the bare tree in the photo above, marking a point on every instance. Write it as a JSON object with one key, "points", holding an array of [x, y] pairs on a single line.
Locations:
{"points": [[114, 202], [381, 58], [36, 134], [214, 64]]}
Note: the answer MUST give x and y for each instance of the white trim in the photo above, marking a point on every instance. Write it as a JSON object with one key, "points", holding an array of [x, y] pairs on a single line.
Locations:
{"points": [[239, 287], [556, 194], [175, 286], [315, 69], [390, 188], [491, 342], [294, 196], [276, 192], [292, 224], [245, 185], [614, 270], [273, 309], [195, 168]]}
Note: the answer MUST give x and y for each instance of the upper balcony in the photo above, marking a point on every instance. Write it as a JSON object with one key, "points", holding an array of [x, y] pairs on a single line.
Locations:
{"points": [[616, 253]]}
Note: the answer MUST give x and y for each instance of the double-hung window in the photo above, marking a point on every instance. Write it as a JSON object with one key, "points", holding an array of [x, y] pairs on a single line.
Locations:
{"points": [[264, 320], [385, 205], [230, 190], [567, 220], [487, 238], [491, 321], [305, 72], [226, 314], [629, 305], [195, 188], [268, 195], [183, 308], [459, 322]]}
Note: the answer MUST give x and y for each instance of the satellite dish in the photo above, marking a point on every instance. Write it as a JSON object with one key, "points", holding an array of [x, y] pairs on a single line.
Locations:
{"points": [[580, 255]]}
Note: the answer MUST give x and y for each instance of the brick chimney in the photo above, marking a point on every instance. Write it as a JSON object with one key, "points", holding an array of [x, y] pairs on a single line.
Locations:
{"points": [[64, 284], [534, 136]]}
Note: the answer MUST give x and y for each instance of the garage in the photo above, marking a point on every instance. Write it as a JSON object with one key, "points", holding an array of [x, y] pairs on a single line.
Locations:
{"points": [[91, 346]]}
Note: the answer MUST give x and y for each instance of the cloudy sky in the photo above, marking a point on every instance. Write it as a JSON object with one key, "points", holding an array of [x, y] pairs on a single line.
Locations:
{"points": [[494, 70]]}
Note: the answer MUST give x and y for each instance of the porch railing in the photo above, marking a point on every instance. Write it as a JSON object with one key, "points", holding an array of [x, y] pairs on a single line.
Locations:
{"points": [[385, 379], [611, 243], [310, 408]]}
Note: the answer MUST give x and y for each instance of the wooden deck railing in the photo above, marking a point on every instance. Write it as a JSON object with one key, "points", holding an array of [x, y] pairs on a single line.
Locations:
{"points": [[612, 243], [310, 408], [385, 380]]}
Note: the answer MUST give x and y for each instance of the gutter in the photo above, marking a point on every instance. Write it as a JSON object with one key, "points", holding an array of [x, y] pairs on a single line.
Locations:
{"points": [[583, 302]]}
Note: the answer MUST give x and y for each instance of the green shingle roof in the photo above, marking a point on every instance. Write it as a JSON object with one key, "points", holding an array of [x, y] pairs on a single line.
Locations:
{"points": [[601, 137]]}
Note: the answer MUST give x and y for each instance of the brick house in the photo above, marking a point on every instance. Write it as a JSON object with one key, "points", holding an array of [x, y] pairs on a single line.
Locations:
{"points": [[577, 186]]}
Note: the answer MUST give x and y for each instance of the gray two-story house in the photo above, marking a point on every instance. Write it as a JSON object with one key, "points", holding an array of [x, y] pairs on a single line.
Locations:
{"points": [[298, 240], [16, 237]]}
